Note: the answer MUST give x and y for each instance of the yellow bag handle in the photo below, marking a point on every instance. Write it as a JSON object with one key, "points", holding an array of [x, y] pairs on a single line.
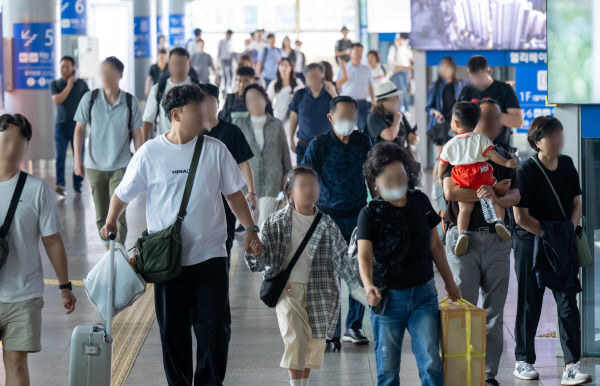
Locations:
{"points": [[469, 354]]}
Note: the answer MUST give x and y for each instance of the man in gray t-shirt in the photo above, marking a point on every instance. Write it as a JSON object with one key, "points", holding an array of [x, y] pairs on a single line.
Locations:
{"points": [[202, 63], [113, 119]]}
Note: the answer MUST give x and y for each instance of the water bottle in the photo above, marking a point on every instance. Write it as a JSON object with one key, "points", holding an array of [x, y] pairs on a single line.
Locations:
{"points": [[488, 210]]}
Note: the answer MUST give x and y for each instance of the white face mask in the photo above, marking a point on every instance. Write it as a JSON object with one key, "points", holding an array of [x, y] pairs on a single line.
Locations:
{"points": [[345, 127], [394, 194]]}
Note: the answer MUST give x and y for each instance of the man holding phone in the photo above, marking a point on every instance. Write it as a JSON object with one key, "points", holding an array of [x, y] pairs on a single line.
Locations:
{"points": [[66, 91]]}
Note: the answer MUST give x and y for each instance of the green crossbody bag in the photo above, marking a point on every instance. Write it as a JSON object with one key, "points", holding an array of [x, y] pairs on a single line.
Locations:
{"points": [[157, 256], [584, 255]]}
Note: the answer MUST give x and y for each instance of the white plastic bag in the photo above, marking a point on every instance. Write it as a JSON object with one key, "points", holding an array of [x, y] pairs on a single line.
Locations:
{"points": [[128, 287]]}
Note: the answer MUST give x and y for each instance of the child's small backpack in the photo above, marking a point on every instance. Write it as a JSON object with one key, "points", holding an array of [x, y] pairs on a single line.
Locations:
{"points": [[353, 254], [441, 204]]}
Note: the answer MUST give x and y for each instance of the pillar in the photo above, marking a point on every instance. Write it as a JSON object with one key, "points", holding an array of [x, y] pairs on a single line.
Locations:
{"points": [[420, 77], [143, 37], [73, 23], [177, 23], [34, 25], [162, 16]]}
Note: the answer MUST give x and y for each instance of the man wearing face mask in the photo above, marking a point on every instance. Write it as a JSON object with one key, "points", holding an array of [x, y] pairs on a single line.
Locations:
{"points": [[338, 157]]}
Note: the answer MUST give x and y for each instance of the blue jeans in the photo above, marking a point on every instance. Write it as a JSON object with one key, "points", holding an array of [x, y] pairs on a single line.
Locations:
{"points": [[414, 308], [356, 311], [63, 135], [363, 114], [400, 79]]}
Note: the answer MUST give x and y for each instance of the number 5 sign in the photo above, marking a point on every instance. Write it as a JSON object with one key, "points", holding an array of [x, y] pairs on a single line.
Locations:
{"points": [[73, 17], [34, 55]]}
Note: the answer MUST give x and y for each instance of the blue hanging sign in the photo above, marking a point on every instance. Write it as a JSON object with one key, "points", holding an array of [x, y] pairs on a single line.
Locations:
{"points": [[141, 37], [73, 17], [34, 59], [176, 30], [532, 90]]}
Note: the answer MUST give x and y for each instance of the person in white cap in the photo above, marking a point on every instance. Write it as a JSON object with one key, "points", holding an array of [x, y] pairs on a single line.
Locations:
{"points": [[386, 122]]}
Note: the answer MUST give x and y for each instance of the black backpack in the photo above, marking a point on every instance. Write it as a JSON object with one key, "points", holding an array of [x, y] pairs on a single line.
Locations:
{"points": [[160, 91], [128, 98]]}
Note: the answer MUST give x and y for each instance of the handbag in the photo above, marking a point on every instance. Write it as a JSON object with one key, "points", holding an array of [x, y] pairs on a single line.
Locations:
{"points": [[9, 217], [128, 285], [157, 256], [271, 289], [582, 247]]}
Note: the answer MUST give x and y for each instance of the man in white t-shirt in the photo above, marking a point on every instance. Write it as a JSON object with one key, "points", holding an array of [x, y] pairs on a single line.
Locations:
{"points": [[179, 66], [355, 80], [21, 276], [199, 296]]}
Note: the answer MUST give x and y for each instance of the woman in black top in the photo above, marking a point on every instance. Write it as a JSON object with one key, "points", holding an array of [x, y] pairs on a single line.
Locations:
{"points": [[538, 211], [397, 246]]}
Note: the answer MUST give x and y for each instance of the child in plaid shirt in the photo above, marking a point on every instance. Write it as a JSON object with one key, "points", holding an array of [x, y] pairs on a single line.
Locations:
{"points": [[309, 306]]}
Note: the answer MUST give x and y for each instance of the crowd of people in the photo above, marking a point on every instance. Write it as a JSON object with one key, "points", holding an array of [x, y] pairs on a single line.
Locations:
{"points": [[303, 162]]}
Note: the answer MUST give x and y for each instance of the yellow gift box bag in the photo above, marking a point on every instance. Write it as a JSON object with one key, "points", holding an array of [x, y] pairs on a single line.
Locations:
{"points": [[462, 343]]}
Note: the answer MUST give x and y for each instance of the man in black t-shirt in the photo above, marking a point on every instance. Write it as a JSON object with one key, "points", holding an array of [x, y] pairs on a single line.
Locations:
{"points": [[236, 143], [66, 92], [483, 86], [343, 46], [486, 264]]}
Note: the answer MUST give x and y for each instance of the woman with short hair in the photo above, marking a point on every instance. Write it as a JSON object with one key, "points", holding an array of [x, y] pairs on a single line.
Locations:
{"points": [[397, 246], [549, 212]]}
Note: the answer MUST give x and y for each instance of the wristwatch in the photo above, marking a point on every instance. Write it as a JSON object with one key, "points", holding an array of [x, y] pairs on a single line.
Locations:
{"points": [[253, 228], [68, 286]]}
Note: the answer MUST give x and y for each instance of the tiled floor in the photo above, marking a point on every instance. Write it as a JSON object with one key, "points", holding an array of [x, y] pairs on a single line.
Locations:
{"points": [[256, 345]]}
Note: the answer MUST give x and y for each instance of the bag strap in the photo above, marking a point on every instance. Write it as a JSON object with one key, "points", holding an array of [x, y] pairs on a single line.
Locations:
{"points": [[160, 90], [551, 187], [13, 204], [307, 237], [92, 100], [190, 179], [129, 99]]}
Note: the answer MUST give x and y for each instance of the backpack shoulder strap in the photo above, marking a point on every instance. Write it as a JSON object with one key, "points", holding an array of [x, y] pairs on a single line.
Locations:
{"points": [[322, 146], [160, 90], [93, 98], [129, 99], [13, 204], [228, 106], [189, 183]]}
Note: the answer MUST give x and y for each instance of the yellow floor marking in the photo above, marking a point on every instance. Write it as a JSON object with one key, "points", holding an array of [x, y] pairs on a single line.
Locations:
{"points": [[130, 329]]}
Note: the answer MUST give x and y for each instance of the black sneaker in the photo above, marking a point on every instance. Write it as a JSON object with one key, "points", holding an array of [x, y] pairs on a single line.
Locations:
{"points": [[491, 382], [333, 344], [355, 335]]}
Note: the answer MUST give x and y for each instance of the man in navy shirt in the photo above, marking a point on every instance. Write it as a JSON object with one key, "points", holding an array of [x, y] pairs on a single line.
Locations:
{"points": [[338, 157], [66, 91], [309, 108]]}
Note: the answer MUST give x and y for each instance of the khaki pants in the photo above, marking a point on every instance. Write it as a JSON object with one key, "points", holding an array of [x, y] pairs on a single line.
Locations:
{"points": [[103, 186], [302, 351]]}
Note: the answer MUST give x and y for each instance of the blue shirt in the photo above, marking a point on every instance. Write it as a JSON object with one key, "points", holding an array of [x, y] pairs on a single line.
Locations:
{"points": [[341, 181], [312, 112], [270, 57]]}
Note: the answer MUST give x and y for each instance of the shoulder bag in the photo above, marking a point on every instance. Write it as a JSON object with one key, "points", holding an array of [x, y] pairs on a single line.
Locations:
{"points": [[584, 256], [9, 217], [271, 289], [157, 256]]}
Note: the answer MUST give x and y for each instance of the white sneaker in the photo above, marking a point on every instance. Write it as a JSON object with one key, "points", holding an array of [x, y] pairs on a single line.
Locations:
{"points": [[461, 245], [502, 231], [574, 376], [524, 370]]}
